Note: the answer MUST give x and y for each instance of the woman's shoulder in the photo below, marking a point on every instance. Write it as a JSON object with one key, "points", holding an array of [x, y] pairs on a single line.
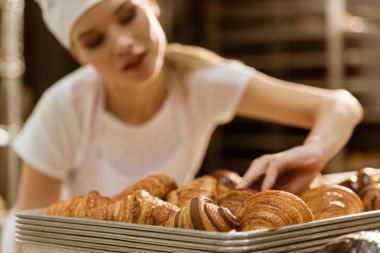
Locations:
{"points": [[80, 84], [230, 72]]}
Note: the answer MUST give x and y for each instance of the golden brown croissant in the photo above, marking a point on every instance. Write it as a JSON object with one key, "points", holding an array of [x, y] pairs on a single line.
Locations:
{"points": [[141, 208], [203, 214], [157, 185], [330, 201], [362, 179], [272, 210], [370, 196], [206, 186], [226, 177], [233, 199], [91, 206]]}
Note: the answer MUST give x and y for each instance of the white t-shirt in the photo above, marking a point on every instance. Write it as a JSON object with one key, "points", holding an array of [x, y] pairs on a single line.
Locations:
{"points": [[70, 136]]}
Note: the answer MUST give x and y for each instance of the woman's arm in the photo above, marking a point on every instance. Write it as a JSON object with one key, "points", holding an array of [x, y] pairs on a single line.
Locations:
{"points": [[330, 114], [36, 190]]}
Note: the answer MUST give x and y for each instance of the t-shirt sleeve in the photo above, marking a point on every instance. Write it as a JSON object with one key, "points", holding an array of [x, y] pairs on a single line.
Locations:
{"points": [[49, 139], [217, 91]]}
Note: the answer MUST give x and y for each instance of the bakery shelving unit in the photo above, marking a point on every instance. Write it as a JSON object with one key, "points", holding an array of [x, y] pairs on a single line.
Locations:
{"points": [[329, 43], [11, 71]]}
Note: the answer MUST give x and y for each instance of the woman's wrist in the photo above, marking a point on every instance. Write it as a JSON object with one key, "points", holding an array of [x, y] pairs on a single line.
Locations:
{"points": [[319, 149]]}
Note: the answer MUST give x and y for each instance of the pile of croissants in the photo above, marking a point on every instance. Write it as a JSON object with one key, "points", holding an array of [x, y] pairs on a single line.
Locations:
{"points": [[212, 203]]}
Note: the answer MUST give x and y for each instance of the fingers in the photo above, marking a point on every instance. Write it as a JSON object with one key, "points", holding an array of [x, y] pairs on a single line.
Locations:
{"points": [[270, 178], [296, 183], [256, 169]]}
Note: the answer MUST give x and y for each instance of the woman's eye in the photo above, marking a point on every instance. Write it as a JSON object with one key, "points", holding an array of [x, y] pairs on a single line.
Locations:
{"points": [[128, 16], [95, 42]]}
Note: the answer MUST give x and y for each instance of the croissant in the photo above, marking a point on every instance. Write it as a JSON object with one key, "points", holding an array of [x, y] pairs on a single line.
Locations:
{"points": [[362, 179], [232, 200], [203, 214], [370, 196], [91, 206], [157, 185], [271, 210], [226, 177], [141, 208], [330, 201], [206, 185]]}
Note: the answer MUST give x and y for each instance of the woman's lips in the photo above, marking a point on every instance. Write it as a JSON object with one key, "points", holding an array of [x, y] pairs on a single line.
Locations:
{"points": [[135, 62]]}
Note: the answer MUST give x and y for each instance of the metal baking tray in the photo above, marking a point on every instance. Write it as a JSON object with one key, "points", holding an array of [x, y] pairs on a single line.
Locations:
{"points": [[87, 234], [59, 230], [159, 239]]}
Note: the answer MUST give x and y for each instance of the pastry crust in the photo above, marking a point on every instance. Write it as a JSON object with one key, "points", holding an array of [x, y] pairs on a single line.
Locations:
{"points": [[141, 208], [362, 179], [206, 186], [157, 185], [91, 206], [226, 177], [202, 213], [272, 210], [370, 196], [233, 199], [331, 201]]}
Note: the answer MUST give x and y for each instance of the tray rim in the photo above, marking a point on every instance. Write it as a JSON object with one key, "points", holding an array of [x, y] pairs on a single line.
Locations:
{"points": [[35, 214], [288, 243], [45, 226]]}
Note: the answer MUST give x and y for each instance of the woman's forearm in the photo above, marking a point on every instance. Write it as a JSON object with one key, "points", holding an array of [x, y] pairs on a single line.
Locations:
{"points": [[335, 122]]}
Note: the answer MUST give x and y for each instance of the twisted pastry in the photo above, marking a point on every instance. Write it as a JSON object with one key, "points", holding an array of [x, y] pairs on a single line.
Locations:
{"points": [[91, 206], [232, 200], [157, 185], [203, 214], [206, 186], [330, 201], [362, 179], [370, 196], [226, 177], [272, 210], [141, 208]]}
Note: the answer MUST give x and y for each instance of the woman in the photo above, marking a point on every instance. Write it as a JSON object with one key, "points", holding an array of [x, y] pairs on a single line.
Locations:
{"points": [[138, 106]]}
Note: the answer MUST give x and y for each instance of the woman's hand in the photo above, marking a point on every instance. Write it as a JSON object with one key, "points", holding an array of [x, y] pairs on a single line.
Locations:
{"points": [[291, 170]]}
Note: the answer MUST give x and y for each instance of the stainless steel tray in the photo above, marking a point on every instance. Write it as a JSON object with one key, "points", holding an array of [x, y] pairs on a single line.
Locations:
{"points": [[74, 233], [33, 226], [159, 239], [296, 243]]}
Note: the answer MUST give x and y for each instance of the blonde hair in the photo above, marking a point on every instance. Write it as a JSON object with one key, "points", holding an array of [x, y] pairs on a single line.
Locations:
{"points": [[184, 59]]}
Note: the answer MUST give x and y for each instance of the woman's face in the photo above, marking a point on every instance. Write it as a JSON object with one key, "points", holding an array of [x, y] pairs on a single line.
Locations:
{"points": [[122, 39]]}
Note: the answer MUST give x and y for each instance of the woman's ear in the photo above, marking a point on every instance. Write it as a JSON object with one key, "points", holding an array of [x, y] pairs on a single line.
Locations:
{"points": [[156, 8]]}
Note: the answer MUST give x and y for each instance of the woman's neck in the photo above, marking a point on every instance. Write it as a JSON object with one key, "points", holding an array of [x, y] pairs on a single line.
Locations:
{"points": [[138, 105]]}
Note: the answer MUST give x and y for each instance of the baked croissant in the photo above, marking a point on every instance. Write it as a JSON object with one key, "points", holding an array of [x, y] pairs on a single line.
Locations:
{"points": [[206, 186], [226, 177], [157, 185], [233, 199], [272, 210], [330, 201], [141, 208], [362, 179], [91, 206], [370, 196], [203, 214]]}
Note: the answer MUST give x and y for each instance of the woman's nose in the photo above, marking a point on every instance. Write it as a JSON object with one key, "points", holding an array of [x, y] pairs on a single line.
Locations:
{"points": [[123, 45]]}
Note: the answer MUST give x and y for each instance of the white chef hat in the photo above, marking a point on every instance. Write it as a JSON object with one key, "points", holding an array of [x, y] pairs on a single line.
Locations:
{"points": [[61, 15]]}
